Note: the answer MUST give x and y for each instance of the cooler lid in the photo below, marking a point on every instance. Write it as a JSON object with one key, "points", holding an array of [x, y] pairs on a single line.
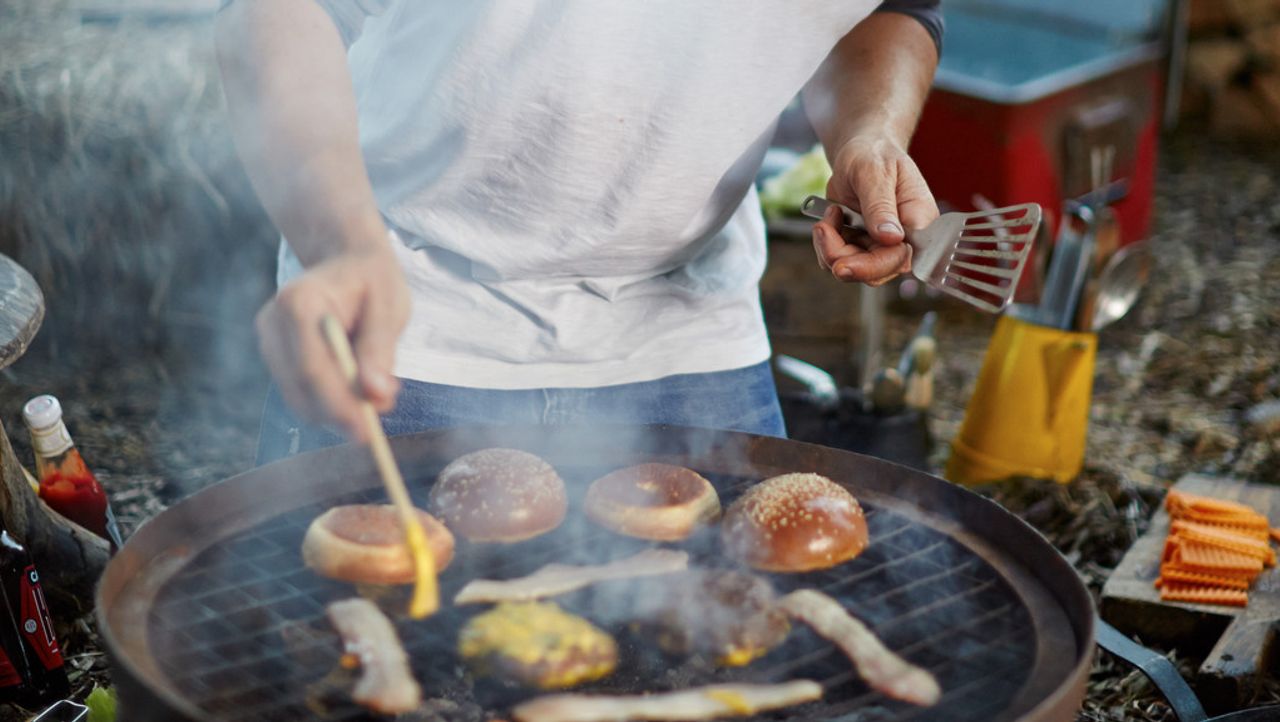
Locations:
{"points": [[1135, 20], [1011, 57]]}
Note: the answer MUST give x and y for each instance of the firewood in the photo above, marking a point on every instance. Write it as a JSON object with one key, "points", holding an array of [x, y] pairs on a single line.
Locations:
{"points": [[1212, 64], [1247, 14], [1266, 87], [1264, 46], [70, 558], [1207, 17], [1239, 113]]}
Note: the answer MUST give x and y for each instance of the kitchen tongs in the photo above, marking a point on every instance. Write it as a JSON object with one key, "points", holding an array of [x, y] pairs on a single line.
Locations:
{"points": [[976, 257]]}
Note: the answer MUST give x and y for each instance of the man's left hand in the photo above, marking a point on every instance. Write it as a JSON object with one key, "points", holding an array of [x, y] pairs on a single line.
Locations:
{"points": [[874, 176]]}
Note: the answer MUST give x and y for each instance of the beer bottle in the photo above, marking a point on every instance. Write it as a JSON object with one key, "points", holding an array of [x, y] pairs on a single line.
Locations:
{"points": [[31, 668], [66, 484]]}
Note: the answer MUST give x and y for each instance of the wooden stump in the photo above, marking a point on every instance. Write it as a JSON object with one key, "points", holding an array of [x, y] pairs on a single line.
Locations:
{"points": [[21, 310], [70, 558]]}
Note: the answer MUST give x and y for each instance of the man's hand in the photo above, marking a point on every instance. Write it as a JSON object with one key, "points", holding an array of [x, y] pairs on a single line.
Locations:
{"points": [[863, 102], [874, 176], [293, 115], [366, 291]]}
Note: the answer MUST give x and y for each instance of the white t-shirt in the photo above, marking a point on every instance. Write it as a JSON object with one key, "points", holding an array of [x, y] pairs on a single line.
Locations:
{"points": [[570, 181]]}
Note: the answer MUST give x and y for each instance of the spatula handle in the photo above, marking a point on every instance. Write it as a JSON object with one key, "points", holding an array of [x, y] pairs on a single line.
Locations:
{"points": [[1156, 667], [817, 206]]}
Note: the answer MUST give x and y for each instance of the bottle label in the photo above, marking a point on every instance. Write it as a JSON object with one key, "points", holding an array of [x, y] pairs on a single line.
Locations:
{"points": [[51, 440], [36, 624]]}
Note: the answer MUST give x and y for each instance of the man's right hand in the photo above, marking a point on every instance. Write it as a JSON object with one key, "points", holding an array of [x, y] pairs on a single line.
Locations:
{"points": [[292, 109], [366, 291]]}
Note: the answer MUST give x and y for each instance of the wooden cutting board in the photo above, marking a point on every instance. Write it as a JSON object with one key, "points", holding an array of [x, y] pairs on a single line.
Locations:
{"points": [[1238, 641]]}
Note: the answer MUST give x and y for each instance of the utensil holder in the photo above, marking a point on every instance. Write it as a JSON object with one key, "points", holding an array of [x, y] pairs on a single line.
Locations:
{"points": [[1029, 413]]}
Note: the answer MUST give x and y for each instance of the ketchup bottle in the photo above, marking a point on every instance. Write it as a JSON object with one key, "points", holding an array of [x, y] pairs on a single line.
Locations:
{"points": [[31, 667], [66, 484]]}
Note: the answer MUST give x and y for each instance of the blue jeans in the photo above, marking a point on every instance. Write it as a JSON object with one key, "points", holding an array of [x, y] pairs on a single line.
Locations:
{"points": [[740, 400]]}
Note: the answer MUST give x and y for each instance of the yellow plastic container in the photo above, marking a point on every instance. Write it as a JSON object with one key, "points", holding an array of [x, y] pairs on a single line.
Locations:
{"points": [[1029, 413]]}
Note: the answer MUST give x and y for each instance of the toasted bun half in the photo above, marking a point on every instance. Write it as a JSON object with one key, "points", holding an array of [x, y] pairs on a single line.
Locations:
{"points": [[364, 543], [499, 495], [794, 523], [652, 501]]}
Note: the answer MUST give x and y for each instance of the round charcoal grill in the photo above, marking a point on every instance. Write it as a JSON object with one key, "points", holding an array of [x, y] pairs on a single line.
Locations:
{"points": [[209, 614]]}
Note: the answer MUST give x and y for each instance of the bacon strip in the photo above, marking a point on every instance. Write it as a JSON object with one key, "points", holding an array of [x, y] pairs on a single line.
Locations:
{"points": [[554, 579], [688, 705], [1179, 503], [1258, 533], [878, 666], [1214, 551], [1174, 574], [386, 684], [1198, 594]]}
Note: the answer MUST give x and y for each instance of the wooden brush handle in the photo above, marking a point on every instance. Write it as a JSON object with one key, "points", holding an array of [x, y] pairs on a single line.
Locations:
{"points": [[426, 595]]}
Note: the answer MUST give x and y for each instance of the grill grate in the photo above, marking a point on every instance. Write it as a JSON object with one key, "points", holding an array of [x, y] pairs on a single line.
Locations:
{"points": [[241, 630]]}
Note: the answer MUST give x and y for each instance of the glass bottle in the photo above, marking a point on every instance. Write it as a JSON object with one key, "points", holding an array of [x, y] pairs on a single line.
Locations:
{"points": [[31, 666], [66, 484]]}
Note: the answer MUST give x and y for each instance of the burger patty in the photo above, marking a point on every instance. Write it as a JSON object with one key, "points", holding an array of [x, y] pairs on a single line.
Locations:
{"points": [[729, 616], [537, 644]]}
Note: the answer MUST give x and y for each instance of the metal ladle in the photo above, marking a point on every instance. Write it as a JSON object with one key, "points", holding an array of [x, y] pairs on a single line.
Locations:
{"points": [[1119, 283]]}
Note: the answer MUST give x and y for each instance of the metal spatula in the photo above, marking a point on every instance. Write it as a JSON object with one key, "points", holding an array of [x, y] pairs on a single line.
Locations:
{"points": [[976, 257]]}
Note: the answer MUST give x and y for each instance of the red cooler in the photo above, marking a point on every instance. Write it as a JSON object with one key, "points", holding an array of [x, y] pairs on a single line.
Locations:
{"points": [[1028, 89]]}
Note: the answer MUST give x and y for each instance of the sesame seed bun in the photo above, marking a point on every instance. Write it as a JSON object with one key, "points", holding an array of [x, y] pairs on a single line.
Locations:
{"points": [[794, 523], [364, 543], [499, 495], [652, 501]]}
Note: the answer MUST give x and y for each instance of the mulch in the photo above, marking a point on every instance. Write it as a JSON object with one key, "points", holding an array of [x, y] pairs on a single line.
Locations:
{"points": [[1175, 385]]}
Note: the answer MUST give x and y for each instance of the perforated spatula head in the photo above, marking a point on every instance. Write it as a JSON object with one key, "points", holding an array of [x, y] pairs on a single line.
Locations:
{"points": [[976, 257]]}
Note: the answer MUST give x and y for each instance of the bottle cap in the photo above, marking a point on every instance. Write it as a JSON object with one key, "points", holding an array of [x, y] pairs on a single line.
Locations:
{"points": [[42, 412]]}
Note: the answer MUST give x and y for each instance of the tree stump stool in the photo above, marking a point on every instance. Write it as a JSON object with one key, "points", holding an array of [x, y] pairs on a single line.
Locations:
{"points": [[70, 558], [21, 310]]}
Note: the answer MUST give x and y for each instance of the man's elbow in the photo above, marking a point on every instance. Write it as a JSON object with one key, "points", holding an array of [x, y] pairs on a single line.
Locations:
{"points": [[928, 13]]}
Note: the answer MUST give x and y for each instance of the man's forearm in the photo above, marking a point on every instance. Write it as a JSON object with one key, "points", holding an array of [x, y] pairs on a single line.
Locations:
{"points": [[874, 82], [293, 116], [864, 102]]}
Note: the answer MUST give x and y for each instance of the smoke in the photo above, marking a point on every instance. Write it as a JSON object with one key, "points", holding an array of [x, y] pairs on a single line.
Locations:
{"points": [[121, 194], [121, 191]]}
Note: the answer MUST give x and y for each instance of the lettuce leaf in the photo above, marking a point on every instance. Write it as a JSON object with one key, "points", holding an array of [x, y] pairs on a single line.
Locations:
{"points": [[102, 704], [782, 194]]}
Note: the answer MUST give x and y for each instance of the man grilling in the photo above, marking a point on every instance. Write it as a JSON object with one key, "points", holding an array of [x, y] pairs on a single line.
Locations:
{"points": [[542, 211]]}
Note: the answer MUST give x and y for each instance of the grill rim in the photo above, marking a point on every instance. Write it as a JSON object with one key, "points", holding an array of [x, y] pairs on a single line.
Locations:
{"points": [[1040, 575]]}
